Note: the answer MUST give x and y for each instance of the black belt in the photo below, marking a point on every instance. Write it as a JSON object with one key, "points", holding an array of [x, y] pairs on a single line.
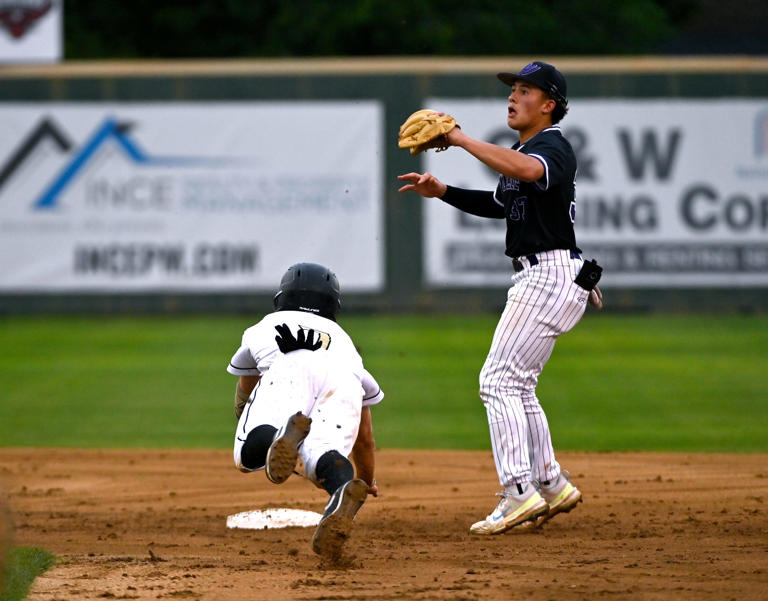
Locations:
{"points": [[532, 260]]}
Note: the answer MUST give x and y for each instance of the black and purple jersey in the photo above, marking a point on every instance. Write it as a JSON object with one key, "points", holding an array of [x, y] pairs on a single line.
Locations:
{"points": [[539, 214]]}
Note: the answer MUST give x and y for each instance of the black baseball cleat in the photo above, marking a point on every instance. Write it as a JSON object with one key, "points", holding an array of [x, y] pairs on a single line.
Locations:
{"points": [[336, 524], [284, 450]]}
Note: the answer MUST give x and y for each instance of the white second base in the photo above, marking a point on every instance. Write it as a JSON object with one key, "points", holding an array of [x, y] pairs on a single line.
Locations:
{"points": [[279, 517]]}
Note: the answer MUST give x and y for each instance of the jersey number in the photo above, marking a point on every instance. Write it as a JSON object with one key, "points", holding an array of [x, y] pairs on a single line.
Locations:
{"points": [[517, 209]]}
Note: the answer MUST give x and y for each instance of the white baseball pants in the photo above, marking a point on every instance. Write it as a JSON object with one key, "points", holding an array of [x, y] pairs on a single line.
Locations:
{"points": [[542, 303], [310, 382]]}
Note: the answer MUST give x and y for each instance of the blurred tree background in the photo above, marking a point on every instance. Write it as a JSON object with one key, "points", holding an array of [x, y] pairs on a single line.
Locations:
{"points": [[300, 28]]}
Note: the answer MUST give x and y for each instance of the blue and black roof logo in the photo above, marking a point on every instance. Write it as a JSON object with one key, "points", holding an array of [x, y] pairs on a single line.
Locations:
{"points": [[110, 130]]}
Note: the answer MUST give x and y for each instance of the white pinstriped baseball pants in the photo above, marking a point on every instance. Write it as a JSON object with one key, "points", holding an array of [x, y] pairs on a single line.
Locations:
{"points": [[542, 303]]}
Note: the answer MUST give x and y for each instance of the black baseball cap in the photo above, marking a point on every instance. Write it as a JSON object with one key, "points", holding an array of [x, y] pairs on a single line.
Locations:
{"points": [[542, 75]]}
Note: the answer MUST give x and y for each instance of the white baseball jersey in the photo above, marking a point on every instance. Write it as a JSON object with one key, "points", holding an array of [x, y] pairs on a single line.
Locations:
{"points": [[329, 385]]}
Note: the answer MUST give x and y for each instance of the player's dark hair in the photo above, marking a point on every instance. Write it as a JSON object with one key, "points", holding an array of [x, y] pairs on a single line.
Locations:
{"points": [[559, 112], [309, 287]]}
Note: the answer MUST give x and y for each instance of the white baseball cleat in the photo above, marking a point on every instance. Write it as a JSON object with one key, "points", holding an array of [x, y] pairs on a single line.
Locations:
{"points": [[562, 497], [510, 512], [283, 453], [336, 524]]}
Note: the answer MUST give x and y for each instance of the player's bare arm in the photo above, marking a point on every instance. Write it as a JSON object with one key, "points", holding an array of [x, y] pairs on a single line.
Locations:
{"points": [[363, 452], [502, 160], [243, 389], [247, 383]]}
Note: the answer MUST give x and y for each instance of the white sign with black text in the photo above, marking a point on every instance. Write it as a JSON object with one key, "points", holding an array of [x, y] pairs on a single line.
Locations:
{"points": [[188, 196], [668, 193]]}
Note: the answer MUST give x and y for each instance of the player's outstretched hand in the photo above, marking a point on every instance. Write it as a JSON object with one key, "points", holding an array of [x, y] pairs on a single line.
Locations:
{"points": [[286, 341], [425, 184]]}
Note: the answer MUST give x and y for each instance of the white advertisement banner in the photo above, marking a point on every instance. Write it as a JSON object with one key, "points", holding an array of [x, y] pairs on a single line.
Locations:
{"points": [[668, 193], [30, 31], [188, 196]]}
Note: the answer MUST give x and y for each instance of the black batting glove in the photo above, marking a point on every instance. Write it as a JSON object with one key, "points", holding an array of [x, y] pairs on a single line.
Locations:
{"points": [[287, 343]]}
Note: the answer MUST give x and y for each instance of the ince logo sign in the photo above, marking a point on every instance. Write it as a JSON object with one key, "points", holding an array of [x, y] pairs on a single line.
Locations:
{"points": [[77, 157]]}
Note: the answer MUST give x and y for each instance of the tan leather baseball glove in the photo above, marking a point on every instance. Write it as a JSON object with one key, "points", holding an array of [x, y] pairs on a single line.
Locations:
{"points": [[425, 129]]}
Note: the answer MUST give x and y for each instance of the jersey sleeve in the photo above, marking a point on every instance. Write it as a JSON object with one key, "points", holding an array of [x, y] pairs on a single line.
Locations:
{"points": [[372, 393], [553, 154], [475, 202], [243, 363]]}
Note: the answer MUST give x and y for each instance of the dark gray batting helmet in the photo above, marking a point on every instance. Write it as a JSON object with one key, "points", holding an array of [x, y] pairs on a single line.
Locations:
{"points": [[309, 287]]}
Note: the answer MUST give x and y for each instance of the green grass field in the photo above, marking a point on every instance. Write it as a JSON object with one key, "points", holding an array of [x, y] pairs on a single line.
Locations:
{"points": [[24, 564], [681, 383]]}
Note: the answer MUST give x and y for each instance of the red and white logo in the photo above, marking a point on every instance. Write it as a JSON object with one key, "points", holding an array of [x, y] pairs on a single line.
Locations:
{"points": [[18, 16]]}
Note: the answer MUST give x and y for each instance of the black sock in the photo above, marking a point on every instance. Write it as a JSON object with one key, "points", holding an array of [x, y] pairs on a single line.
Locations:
{"points": [[333, 470], [253, 455]]}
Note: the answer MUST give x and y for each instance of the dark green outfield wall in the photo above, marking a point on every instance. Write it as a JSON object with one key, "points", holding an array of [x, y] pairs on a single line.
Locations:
{"points": [[401, 85]]}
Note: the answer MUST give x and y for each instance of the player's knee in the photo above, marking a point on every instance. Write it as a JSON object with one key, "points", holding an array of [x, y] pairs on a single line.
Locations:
{"points": [[333, 470], [487, 386], [495, 389], [253, 455], [488, 392]]}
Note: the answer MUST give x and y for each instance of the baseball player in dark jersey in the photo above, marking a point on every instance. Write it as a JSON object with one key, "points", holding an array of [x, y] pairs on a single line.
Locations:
{"points": [[535, 195]]}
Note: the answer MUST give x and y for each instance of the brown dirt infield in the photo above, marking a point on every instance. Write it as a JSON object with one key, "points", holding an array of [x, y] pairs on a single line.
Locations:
{"points": [[151, 525]]}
